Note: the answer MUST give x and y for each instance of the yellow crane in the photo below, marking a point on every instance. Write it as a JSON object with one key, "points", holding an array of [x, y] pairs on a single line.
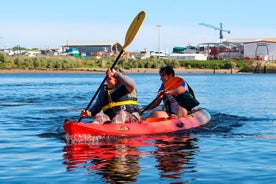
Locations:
{"points": [[216, 28]]}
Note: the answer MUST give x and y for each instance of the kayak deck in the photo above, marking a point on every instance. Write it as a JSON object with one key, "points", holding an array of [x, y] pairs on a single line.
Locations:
{"points": [[84, 131]]}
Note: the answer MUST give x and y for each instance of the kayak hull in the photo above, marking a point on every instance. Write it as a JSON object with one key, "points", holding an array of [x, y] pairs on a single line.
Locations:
{"points": [[84, 131]]}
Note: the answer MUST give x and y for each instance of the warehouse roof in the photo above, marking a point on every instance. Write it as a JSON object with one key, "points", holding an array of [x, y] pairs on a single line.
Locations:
{"points": [[251, 40], [86, 43]]}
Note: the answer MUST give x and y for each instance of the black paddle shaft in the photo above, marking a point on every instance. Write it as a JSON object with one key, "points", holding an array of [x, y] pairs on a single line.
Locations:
{"points": [[146, 108], [131, 32]]}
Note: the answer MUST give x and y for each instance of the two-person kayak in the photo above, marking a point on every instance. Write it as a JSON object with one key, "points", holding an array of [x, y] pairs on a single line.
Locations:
{"points": [[82, 131]]}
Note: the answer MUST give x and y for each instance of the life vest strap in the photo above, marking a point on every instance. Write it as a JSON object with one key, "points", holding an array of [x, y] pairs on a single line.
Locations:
{"points": [[113, 104]]}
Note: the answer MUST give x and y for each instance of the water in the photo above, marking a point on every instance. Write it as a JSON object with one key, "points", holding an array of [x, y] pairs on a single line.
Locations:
{"points": [[237, 146]]}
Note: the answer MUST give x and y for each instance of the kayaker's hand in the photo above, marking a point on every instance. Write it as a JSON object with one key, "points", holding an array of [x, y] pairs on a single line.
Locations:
{"points": [[173, 116], [161, 93], [85, 114], [110, 72], [169, 92]]}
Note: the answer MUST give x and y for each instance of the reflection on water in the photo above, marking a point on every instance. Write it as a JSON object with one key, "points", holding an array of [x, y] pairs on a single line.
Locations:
{"points": [[115, 162], [118, 162], [174, 155]]}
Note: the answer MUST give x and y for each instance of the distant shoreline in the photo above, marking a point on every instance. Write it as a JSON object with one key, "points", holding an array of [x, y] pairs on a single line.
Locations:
{"points": [[132, 70]]}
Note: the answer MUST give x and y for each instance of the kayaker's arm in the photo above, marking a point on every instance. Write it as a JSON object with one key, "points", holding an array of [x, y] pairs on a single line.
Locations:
{"points": [[92, 111], [175, 92], [161, 93], [125, 80], [96, 108]]}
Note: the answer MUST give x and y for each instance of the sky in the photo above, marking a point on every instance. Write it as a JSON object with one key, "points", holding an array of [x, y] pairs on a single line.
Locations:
{"points": [[52, 23]]}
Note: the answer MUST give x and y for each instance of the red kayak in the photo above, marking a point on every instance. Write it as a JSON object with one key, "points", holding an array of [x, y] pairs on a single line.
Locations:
{"points": [[84, 131]]}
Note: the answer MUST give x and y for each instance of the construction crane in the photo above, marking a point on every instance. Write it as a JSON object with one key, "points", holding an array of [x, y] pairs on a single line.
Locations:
{"points": [[216, 28]]}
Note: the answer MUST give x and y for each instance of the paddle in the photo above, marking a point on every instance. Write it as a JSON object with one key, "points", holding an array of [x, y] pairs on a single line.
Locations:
{"points": [[173, 83], [131, 33]]}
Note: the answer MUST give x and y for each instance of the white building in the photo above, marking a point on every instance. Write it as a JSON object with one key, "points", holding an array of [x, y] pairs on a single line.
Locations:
{"points": [[192, 56]]}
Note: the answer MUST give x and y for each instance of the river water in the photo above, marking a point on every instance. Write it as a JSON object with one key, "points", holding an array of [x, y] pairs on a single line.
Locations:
{"points": [[238, 145]]}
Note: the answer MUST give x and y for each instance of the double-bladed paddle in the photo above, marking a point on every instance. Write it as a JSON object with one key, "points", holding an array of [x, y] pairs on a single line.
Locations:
{"points": [[131, 33], [173, 83]]}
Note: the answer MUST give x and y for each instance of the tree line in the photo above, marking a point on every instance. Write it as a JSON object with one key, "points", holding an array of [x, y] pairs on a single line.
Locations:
{"points": [[69, 62]]}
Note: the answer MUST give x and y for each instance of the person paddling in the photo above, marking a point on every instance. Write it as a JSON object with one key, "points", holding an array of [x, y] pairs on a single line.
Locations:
{"points": [[117, 100], [178, 102]]}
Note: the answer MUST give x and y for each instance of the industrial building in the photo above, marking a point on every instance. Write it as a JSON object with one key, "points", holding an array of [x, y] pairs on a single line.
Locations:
{"points": [[260, 49], [257, 48], [93, 48]]}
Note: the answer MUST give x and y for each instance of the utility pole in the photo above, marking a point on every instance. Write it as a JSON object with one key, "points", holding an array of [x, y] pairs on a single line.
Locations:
{"points": [[158, 26], [0, 41]]}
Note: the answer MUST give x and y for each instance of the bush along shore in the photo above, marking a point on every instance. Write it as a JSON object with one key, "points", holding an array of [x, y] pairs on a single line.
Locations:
{"points": [[151, 65]]}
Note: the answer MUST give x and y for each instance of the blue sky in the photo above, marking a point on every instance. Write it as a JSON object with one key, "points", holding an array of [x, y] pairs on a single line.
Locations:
{"points": [[40, 24]]}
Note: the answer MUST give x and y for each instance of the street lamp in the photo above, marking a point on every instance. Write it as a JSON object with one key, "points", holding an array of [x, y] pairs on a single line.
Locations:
{"points": [[158, 26]]}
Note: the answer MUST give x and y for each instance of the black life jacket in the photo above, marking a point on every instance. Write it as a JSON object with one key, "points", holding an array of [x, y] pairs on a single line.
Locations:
{"points": [[119, 99], [186, 100]]}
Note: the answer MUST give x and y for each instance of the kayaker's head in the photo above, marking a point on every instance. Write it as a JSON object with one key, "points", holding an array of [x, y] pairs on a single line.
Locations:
{"points": [[111, 79], [111, 82], [166, 73]]}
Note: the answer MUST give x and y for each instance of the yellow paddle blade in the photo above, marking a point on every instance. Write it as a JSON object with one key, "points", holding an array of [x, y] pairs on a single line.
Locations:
{"points": [[133, 28], [173, 83]]}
